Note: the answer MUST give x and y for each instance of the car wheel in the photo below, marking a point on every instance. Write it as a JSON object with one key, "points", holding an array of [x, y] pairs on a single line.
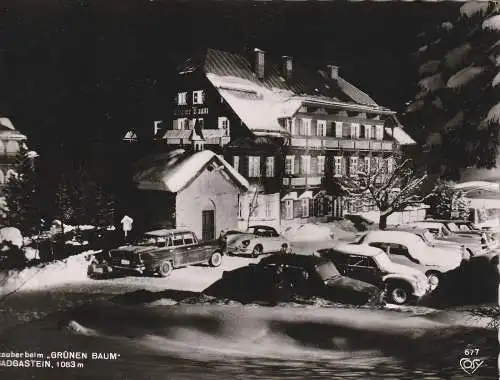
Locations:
{"points": [[215, 259], [257, 251], [165, 269], [398, 294], [434, 280]]}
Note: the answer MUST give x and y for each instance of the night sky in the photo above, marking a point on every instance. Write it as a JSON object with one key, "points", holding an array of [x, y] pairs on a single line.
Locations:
{"points": [[74, 72]]}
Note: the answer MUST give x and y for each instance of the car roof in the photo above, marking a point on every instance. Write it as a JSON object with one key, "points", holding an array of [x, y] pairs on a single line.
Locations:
{"points": [[292, 259], [262, 226], [408, 228], [357, 249], [428, 224], [391, 236], [165, 231], [446, 221]]}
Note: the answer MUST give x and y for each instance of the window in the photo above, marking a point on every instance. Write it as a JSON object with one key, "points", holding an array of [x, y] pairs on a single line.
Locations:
{"points": [[305, 165], [346, 130], [361, 262], [200, 123], [390, 165], [293, 127], [240, 208], [198, 97], [268, 205], [354, 130], [321, 165], [289, 209], [223, 122], [367, 165], [182, 123], [178, 239], [338, 129], [321, 128], [182, 98], [307, 127], [270, 166], [353, 165], [379, 132], [188, 238], [236, 163], [254, 166], [305, 208], [368, 131], [289, 165], [337, 168], [288, 125]]}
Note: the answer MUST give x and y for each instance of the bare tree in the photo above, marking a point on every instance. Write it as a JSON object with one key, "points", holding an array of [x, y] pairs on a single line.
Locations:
{"points": [[253, 205], [390, 192]]}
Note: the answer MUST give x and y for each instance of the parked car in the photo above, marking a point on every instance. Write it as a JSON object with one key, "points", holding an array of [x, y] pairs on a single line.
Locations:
{"points": [[401, 283], [161, 251], [408, 249], [466, 228], [428, 238], [477, 245], [280, 277], [258, 240]]}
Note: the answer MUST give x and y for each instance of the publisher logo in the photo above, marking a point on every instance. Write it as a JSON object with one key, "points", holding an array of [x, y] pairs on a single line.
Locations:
{"points": [[470, 366]]}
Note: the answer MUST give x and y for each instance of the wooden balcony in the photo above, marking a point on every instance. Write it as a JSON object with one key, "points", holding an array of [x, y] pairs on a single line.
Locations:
{"points": [[302, 181], [316, 142]]}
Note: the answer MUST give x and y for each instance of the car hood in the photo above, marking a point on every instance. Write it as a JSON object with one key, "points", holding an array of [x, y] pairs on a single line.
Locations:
{"points": [[443, 257], [395, 268]]}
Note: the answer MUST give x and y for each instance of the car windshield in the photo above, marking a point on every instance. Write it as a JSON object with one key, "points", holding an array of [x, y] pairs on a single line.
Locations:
{"points": [[428, 237], [326, 270]]}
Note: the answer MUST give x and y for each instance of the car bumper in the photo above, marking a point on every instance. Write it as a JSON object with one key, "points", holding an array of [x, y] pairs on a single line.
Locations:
{"points": [[239, 250], [135, 268], [421, 292]]}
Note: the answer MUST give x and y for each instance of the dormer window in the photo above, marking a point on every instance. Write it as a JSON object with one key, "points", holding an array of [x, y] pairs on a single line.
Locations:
{"points": [[198, 97], [182, 98], [223, 123]]}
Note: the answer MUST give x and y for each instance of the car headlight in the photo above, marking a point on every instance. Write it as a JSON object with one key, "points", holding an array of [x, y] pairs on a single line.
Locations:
{"points": [[245, 243]]}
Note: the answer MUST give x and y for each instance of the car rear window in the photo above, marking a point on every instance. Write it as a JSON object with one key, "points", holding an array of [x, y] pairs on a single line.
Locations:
{"points": [[178, 239]]}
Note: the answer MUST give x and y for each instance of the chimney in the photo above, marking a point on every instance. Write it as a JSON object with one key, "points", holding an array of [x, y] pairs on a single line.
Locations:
{"points": [[286, 67], [333, 71], [259, 63]]}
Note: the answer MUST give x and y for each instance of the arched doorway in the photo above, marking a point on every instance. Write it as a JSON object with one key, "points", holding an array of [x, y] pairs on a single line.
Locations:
{"points": [[208, 221]]}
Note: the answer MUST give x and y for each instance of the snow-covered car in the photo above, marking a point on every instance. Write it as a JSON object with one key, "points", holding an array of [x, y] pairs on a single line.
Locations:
{"points": [[161, 251], [281, 277], [406, 248], [258, 240], [307, 232], [466, 228], [429, 239], [401, 283], [476, 244]]}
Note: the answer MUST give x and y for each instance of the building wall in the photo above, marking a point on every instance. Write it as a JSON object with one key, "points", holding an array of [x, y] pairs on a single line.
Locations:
{"points": [[210, 190], [266, 210]]}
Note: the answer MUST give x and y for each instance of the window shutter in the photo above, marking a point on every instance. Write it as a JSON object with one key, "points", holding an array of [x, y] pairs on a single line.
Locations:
{"points": [[346, 130], [203, 97], [314, 165], [297, 209], [343, 166], [338, 129]]}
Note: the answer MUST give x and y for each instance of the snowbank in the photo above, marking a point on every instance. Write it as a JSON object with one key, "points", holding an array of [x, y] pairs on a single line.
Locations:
{"points": [[71, 270], [307, 232], [11, 235]]}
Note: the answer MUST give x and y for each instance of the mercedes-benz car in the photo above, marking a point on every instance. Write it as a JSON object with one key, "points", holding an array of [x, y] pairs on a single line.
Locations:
{"points": [[162, 251]]}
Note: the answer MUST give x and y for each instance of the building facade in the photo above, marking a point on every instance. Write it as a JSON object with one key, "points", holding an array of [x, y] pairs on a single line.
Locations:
{"points": [[11, 142], [289, 130]]}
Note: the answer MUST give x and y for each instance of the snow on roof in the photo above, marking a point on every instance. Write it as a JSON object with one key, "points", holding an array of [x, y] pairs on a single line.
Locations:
{"points": [[457, 56], [308, 194], [400, 136], [174, 172], [257, 106], [290, 196], [464, 76], [432, 83], [472, 8], [496, 80], [5, 122], [493, 114], [492, 23], [472, 185]]}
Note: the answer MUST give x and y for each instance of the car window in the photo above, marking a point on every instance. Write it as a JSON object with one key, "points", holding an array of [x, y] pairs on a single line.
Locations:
{"points": [[188, 238], [380, 245], [398, 249], [178, 239], [361, 262], [452, 227], [273, 233]]}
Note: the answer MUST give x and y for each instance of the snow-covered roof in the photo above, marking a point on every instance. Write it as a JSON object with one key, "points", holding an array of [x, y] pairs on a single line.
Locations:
{"points": [[472, 8], [308, 194], [400, 136], [174, 171], [5, 122], [492, 23], [464, 76], [290, 196], [472, 185]]}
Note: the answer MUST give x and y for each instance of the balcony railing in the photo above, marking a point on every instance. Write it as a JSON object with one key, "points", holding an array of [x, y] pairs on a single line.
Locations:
{"points": [[316, 142], [302, 181]]}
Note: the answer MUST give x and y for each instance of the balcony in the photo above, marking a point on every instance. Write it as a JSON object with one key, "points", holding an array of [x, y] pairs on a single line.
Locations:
{"points": [[302, 181], [317, 142]]}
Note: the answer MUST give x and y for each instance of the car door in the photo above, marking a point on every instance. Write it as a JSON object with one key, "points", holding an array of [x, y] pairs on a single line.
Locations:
{"points": [[363, 268], [194, 253], [275, 240], [181, 256]]}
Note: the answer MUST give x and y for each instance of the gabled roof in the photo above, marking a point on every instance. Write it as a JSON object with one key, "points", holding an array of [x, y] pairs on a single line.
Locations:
{"points": [[177, 169], [260, 103]]}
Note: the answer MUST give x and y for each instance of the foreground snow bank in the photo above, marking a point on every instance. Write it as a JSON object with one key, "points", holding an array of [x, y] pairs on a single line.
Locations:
{"points": [[70, 270]]}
